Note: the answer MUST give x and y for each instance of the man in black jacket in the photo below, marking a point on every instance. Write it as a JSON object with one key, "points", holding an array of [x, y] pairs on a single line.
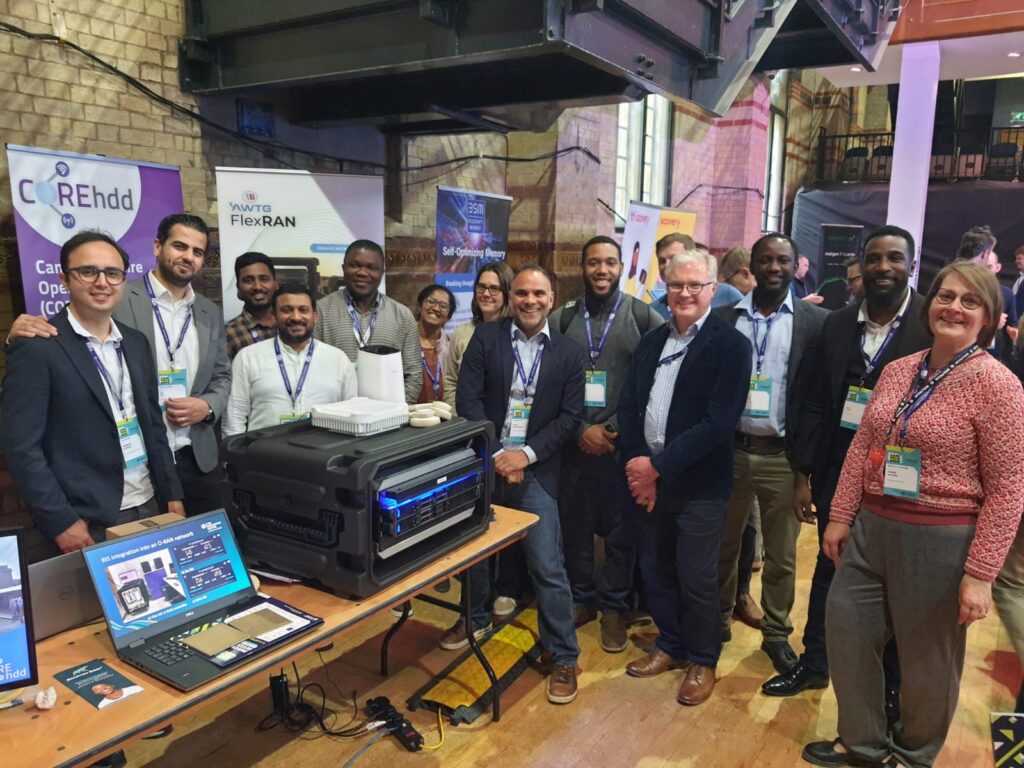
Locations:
{"points": [[677, 414], [82, 431], [858, 341]]}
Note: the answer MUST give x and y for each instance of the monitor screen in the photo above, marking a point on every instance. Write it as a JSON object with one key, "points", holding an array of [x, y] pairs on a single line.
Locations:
{"points": [[17, 647], [164, 574]]}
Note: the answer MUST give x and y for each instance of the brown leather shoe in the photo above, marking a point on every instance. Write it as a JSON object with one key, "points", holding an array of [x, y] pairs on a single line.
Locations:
{"points": [[562, 688], [697, 685], [748, 612], [654, 663]]}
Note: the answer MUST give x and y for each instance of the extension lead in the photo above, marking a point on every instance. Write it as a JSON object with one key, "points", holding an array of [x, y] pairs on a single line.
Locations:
{"points": [[382, 709]]}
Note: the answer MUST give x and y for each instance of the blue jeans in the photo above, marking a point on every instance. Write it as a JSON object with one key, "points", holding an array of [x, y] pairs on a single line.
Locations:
{"points": [[678, 549], [593, 499], [545, 564]]}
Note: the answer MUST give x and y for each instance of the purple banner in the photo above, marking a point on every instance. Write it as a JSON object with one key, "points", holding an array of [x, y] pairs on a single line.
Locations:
{"points": [[57, 194]]}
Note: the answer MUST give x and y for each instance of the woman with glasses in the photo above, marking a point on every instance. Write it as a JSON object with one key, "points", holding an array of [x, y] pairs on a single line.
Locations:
{"points": [[490, 302], [928, 503], [435, 307]]}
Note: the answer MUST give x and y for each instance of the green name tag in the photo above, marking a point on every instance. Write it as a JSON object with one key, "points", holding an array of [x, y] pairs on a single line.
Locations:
{"points": [[853, 409], [902, 472], [519, 420], [759, 397], [596, 387]]}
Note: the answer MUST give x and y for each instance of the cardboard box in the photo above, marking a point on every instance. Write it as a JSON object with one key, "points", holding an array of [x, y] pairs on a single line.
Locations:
{"points": [[126, 529]]}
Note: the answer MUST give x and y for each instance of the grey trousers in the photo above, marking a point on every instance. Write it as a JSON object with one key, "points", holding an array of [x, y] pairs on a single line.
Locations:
{"points": [[902, 579], [1008, 593]]}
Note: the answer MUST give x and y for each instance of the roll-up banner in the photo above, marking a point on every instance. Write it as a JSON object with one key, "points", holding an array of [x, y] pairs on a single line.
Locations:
{"points": [[303, 221], [472, 231], [57, 194], [645, 226], [839, 243]]}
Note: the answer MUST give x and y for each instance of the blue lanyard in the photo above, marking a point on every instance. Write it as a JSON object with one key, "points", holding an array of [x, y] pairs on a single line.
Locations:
{"points": [[357, 325], [284, 372], [118, 393], [163, 328], [595, 352], [528, 382], [762, 348], [435, 377], [873, 363], [922, 389]]}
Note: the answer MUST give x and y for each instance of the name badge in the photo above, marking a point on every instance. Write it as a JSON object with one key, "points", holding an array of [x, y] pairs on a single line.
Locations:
{"points": [[759, 397], [288, 418], [170, 384], [902, 476], [595, 388], [519, 421], [133, 448], [853, 409]]}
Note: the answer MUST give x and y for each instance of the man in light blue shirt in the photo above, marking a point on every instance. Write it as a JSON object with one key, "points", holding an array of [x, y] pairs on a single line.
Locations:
{"points": [[784, 335]]}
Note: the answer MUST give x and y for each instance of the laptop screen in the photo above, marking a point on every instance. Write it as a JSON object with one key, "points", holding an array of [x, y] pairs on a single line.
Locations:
{"points": [[152, 581], [17, 645]]}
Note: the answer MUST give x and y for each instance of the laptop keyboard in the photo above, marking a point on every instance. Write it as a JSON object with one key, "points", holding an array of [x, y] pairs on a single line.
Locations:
{"points": [[169, 652]]}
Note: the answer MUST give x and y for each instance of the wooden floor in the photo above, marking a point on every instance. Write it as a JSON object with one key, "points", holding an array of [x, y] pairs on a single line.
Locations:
{"points": [[616, 721]]}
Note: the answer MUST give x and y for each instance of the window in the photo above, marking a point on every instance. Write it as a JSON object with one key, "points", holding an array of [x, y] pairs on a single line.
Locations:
{"points": [[643, 153], [775, 165]]}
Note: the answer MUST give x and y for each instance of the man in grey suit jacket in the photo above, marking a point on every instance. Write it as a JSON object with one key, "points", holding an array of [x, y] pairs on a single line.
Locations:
{"points": [[784, 335], [185, 332]]}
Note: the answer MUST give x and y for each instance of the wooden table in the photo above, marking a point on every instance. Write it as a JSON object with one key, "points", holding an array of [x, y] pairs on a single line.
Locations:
{"points": [[75, 733]]}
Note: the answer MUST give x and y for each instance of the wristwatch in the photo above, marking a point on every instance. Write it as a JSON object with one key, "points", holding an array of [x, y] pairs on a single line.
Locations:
{"points": [[210, 417]]}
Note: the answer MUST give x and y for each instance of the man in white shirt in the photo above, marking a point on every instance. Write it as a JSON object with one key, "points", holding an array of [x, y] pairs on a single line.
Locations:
{"points": [[278, 380]]}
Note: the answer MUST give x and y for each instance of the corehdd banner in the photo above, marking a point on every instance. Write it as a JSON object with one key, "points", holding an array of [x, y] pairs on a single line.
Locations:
{"points": [[57, 194], [645, 226], [472, 230], [303, 221]]}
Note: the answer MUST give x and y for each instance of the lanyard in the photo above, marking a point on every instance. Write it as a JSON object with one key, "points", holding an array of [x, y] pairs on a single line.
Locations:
{"points": [[163, 328], [434, 376], [528, 382], [357, 325], [595, 352], [762, 348], [118, 393], [922, 389], [873, 363], [284, 372]]}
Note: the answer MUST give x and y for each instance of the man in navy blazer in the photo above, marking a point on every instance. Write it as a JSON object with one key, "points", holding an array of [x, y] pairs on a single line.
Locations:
{"points": [[82, 431], [527, 379], [677, 415]]}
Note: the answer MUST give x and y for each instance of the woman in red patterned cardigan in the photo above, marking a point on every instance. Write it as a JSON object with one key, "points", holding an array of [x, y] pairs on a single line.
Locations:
{"points": [[928, 503]]}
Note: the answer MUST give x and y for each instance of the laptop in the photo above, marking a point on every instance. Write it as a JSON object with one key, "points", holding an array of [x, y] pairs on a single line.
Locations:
{"points": [[62, 595], [180, 605]]}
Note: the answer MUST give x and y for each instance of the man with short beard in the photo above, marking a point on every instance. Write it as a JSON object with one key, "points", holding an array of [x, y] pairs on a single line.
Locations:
{"points": [[256, 279], [858, 341], [279, 380]]}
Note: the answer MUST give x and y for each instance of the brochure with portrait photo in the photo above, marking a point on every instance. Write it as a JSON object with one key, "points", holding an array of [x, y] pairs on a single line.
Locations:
{"points": [[98, 684]]}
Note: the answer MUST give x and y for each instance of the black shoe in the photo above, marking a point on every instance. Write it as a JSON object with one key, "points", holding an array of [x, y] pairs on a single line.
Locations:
{"points": [[781, 653], [799, 678], [825, 753], [892, 708]]}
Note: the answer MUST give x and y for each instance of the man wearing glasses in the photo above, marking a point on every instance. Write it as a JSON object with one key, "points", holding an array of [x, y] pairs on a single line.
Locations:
{"points": [[784, 336], [683, 394], [82, 430]]}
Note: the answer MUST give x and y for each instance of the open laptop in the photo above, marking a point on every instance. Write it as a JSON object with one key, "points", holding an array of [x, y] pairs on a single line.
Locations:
{"points": [[180, 605], [62, 595]]}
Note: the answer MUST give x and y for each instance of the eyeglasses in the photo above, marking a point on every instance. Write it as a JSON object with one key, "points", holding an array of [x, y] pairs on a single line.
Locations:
{"points": [[967, 301], [854, 279], [693, 289], [480, 288], [114, 275], [432, 302]]}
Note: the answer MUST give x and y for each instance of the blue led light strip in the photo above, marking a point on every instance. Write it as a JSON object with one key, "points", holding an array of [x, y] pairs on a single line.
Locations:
{"points": [[389, 503]]}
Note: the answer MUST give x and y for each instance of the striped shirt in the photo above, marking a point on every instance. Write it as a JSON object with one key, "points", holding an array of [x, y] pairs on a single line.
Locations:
{"points": [[656, 416], [394, 327]]}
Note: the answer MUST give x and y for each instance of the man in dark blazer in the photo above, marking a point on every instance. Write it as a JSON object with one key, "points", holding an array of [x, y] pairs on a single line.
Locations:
{"points": [[82, 431], [527, 379], [858, 341], [784, 335], [684, 392], [188, 346]]}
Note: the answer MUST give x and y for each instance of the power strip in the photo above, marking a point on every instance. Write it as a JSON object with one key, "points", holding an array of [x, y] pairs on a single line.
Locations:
{"points": [[381, 709]]}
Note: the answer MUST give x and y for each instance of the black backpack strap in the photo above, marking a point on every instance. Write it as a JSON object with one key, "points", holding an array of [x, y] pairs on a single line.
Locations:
{"points": [[568, 313], [641, 314]]}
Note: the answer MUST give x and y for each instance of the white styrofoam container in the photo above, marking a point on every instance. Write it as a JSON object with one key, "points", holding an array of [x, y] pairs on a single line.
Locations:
{"points": [[360, 416]]}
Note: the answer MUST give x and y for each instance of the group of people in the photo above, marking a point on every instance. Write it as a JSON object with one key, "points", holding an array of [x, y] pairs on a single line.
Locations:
{"points": [[694, 435]]}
